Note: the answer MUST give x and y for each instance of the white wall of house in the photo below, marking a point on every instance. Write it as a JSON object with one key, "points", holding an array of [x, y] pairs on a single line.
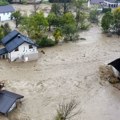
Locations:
{"points": [[111, 5], [23, 50], [116, 73], [5, 16]]}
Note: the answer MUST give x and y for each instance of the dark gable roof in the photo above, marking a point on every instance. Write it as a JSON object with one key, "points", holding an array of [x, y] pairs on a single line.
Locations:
{"points": [[14, 40], [7, 99], [6, 8], [116, 64], [96, 1], [9, 37], [3, 51], [112, 1]]}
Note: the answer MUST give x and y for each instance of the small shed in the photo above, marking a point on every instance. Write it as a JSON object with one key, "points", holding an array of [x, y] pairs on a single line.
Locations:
{"points": [[115, 67], [5, 12], [8, 101]]}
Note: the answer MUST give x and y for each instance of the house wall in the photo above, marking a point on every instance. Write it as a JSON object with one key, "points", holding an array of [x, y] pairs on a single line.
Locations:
{"points": [[23, 50], [116, 73], [5, 16], [111, 5]]}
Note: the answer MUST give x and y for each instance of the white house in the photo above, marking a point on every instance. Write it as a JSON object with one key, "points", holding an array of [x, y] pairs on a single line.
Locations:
{"points": [[5, 12], [111, 3], [104, 3], [95, 2], [18, 47]]}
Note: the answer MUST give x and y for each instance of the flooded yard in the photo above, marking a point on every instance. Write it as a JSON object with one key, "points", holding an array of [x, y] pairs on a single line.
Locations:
{"points": [[67, 71]]}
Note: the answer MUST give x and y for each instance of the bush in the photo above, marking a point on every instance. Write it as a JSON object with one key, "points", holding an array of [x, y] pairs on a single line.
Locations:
{"points": [[105, 10], [3, 2], [84, 26], [66, 111], [45, 42]]}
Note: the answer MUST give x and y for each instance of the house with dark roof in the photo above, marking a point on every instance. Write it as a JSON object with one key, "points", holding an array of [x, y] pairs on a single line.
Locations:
{"points": [[115, 67], [112, 3], [5, 12], [104, 3], [95, 2], [8, 101], [18, 47]]}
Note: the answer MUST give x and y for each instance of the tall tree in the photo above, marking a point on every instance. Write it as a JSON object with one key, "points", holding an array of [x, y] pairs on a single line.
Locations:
{"points": [[51, 20], [56, 9], [116, 14], [34, 25], [107, 21], [16, 16]]}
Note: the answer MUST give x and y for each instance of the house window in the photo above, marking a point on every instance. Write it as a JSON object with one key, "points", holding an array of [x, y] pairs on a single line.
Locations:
{"points": [[16, 49], [30, 46]]}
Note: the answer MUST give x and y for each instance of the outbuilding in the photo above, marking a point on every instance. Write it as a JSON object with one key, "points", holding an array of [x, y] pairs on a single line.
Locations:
{"points": [[116, 67], [8, 101], [5, 12]]}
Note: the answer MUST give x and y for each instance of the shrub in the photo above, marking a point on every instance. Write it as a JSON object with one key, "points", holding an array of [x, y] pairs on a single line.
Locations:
{"points": [[84, 26], [45, 42], [3, 2], [105, 10], [107, 21], [94, 16], [66, 111]]}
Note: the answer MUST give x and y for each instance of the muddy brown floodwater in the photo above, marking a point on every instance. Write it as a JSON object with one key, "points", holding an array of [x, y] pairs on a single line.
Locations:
{"points": [[67, 71]]}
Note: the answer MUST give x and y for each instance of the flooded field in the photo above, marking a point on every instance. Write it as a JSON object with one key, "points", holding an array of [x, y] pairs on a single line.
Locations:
{"points": [[67, 71]]}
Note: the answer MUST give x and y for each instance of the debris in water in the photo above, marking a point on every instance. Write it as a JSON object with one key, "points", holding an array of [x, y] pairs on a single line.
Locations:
{"points": [[106, 74]]}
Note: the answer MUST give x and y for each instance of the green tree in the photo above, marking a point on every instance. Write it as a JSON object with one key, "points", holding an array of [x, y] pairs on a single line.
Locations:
{"points": [[56, 9], [57, 35], [26, 25], [69, 30], [81, 19], [107, 21], [116, 14], [34, 25], [93, 16], [1, 33], [79, 4], [68, 18], [6, 28], [39, 22], [3, 2], [17, 17], [68, 25], [51, 20]]}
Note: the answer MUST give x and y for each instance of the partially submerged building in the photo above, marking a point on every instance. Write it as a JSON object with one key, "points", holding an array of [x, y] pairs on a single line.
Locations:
{"points": [[8, 101], [116, 67], [5, 12], [18, 47]]}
